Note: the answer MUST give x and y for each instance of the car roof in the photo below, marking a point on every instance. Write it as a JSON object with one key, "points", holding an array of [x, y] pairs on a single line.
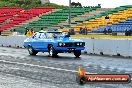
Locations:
{"points": [[50, 32]]}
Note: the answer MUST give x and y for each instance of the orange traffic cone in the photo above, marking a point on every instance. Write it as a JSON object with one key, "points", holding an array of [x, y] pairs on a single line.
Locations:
{"points": [[81, 71], [81, 79]]}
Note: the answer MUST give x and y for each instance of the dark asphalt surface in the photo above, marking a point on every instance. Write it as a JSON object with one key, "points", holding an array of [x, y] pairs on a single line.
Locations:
{"points": [[14, 75]]}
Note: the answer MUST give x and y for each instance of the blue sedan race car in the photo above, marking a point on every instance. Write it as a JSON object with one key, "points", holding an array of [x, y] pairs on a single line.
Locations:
{"points": [[54, 43]]}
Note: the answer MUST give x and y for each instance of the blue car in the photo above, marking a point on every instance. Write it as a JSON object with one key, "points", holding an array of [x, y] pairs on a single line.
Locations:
{"points": [[53, 43]]}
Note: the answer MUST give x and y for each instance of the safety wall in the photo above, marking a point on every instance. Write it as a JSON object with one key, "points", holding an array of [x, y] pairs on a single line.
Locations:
{"points": [[12, 41], [121, 47]]}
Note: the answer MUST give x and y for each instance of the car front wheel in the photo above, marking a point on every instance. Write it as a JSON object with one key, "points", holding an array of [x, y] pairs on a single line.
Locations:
{"points": [[52, 51], [77, 53], [32, 51]]}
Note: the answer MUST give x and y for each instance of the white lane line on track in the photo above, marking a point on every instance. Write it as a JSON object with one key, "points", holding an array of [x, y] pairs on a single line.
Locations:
{"points": [[32, 65], [47, 67]]}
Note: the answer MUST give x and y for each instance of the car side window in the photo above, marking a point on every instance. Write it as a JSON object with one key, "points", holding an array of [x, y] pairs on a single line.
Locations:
{"points": [[37, 35], [49, 35], [42, 36]]}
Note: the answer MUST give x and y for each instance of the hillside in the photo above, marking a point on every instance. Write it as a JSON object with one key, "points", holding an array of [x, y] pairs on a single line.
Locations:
{"points": [[26, 4]]}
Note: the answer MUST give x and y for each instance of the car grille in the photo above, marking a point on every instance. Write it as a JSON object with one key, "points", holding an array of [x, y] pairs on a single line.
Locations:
{"points": [[73, 44], [69, 44]]}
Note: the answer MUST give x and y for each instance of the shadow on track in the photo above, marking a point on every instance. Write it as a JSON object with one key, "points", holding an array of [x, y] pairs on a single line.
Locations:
{"points": [[58, 57]]}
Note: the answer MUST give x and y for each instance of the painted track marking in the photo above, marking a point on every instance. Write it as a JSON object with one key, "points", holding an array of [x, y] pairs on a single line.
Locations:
{"points": [[47, 67], [32, 65]]}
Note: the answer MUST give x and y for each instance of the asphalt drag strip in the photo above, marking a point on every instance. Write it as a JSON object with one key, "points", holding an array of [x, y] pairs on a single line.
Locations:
{"points": [[19, 70]]}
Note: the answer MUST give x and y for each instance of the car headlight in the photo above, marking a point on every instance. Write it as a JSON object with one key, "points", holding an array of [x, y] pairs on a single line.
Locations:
{"points": [[81, 43], [62, 44], [78, 44]]}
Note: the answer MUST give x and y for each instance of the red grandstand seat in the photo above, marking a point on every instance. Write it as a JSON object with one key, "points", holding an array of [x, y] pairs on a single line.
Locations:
{"points": [[22, 15]]}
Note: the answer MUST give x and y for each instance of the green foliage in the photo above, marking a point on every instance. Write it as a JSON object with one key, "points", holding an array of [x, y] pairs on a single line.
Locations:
{"points": [[55, 5], [26, 4], [3, 3], [4, 0]]}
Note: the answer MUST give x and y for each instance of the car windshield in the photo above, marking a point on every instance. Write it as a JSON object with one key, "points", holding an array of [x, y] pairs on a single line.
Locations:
{"points": [[54, 34]]}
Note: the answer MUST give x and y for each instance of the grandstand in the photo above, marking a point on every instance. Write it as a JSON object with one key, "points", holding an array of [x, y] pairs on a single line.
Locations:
{"points": [[12, 16], [98, 22], [120, 21], [94, 18], [6, 13], [53, 18]]}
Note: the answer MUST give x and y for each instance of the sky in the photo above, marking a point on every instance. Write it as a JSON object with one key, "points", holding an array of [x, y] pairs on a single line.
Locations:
{"points": [[104, 3]]}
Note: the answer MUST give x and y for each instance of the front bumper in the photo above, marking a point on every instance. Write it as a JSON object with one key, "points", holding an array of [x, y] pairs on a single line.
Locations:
{"points": [[69, 48]]}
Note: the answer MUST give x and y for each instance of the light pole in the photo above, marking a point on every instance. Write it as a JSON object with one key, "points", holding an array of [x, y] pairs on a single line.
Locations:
{"points": [[69, 16]]}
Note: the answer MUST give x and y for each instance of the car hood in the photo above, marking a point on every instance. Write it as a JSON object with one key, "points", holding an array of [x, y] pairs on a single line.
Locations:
{"points": [[68, 40]]}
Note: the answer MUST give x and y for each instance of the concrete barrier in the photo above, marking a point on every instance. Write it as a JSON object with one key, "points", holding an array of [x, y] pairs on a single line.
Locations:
{"points": [[95, 46], [130, 48], [89, 48], [121, 47], [12, 41]]}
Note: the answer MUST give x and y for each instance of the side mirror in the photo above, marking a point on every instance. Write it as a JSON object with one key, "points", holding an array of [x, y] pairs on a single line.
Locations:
{"points": [[55, 36], [68, 35], [33, 37]]}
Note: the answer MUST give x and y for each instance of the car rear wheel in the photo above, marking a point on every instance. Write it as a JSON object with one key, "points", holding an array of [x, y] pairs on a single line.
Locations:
{"points": [[52, 51], [77, 53], [32, 51]]}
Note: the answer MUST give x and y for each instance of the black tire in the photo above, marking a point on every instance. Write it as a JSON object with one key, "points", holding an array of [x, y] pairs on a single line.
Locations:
{"points": [[101, 53], [82, 81], [52, 51], [77, 53], [32, 51]]}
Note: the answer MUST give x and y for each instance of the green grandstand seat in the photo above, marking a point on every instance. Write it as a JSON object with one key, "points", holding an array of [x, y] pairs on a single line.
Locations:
{"points": [[54, 18]]}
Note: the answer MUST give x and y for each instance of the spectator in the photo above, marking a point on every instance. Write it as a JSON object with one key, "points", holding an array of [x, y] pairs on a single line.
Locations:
{"points": [[105, 31], [107, 17], [81, 30], [55, 35], [71, 31], [129, 33], [126, 32], [42, 30], [31, 32], [27, 32], [109, 30], [14, 32], [85, 31]]}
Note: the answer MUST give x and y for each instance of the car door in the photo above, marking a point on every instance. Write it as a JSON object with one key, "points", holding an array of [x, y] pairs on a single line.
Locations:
{"points": [[42, 42], [49, 38], [35, 41]]}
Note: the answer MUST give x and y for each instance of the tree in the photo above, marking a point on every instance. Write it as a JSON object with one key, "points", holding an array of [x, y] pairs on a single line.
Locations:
{"points": [[76, 4]]}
